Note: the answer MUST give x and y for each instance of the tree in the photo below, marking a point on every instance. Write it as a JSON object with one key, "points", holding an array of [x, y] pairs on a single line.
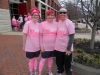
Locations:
{"points": [[91, 9], [74, 11]]}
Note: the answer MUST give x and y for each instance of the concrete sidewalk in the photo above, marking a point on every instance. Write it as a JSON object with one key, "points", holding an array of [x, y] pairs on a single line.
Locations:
{"points": [[13, 33], [86, 35]]}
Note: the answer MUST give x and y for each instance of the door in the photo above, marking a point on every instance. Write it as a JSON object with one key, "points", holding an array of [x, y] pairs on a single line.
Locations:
{"points": [[23, 9]]}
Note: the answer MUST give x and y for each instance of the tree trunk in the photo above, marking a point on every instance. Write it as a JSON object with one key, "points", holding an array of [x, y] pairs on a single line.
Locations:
{"points": [[93, 37]]}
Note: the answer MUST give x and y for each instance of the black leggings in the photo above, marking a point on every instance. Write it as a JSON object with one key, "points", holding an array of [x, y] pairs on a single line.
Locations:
{"points": [[63, 61]]}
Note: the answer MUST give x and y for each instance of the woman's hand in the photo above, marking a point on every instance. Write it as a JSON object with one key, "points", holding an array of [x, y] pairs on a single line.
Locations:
{"points": [[68, 52], [42, 49]]}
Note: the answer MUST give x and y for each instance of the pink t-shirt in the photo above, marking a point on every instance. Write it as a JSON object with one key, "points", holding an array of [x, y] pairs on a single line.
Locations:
{"points": [[48, 37], [26, 19], [64, 30], [32, 40]]}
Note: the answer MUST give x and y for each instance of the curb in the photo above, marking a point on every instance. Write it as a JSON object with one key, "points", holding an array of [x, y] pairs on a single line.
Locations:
{"points": [[85, 70], [82, 31]]}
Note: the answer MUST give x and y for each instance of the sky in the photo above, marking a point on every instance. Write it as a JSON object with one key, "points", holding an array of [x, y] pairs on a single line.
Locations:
{"points": [[64, 2]]}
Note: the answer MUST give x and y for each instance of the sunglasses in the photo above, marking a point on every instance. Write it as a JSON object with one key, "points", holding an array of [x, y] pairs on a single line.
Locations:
{"points": [[62, 12]]}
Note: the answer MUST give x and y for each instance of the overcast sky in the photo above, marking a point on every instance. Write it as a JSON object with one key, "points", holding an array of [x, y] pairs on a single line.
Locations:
{"points": [[64, 1]]}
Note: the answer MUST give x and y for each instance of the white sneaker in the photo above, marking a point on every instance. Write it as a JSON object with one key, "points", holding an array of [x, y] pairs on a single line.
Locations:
{"points": [[71, 70], [50, 73], [60, 74]]}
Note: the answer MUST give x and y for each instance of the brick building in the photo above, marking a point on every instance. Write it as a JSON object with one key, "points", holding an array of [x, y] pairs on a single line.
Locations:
{"points": [[8, 8]]}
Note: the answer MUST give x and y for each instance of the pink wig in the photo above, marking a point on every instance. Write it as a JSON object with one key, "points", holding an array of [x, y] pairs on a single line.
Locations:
{"points": [[34, 10], [50, 12]]}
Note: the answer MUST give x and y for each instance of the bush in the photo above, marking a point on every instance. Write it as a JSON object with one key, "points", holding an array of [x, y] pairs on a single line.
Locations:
{"points": [[84, 55], [84, 44], [86, 59]]}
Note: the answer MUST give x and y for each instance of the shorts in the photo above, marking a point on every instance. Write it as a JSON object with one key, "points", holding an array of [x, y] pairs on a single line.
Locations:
{"points": [[31, 55], [48, 54]]}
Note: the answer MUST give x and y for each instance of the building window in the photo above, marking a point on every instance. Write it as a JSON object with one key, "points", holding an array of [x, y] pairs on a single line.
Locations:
{"points": [[43, 1], [43, 8], [14, 9], [23, 0], [36, 3]]}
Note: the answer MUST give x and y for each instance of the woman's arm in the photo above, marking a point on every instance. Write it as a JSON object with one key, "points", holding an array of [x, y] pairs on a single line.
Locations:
{"points": [[41, 42], [24, 40], [70, 42]]}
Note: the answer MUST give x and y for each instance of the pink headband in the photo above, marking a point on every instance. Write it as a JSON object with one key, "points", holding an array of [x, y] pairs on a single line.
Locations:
{"points": [[34, 10], [50, 12]]}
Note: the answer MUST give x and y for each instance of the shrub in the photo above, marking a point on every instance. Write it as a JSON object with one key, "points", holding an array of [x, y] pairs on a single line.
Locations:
{"points": [[84, 58], [84, 55], [84, 44]]}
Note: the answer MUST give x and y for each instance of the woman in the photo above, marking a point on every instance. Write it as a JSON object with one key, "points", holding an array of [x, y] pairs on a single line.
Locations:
{"points": [[63, 45], [26, 18], [31, 40], [14, 23], [48, 31]]}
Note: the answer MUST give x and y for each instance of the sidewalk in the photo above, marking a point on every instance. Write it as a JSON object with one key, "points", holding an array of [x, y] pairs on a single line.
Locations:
{"points": [[12, 57], [86, 35]]}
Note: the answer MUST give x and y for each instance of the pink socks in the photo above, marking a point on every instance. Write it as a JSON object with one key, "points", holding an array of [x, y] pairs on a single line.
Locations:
{"points": [[42, 62], [33, 64]]}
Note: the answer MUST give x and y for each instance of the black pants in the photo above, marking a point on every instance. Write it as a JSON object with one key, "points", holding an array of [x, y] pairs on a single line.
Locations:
{"points": [[21, 25], [63, 61]]}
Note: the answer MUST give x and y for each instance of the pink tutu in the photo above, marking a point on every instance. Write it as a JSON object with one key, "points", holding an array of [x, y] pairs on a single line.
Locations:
{"points": [[14, 23]]}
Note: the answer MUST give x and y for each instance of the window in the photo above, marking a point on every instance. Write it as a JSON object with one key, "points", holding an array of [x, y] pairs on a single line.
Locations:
{"points": [[14, 9], [43, 1], [36, 3]]}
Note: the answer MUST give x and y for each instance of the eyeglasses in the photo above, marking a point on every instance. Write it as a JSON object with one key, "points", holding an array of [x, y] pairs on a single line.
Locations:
{"points": [[35, 15], [62, 12], [50, 15]]}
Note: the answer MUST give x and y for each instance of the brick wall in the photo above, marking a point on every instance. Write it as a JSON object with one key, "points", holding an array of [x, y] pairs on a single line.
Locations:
{"points": [[49, 3], [5, 24], [30, 3], [4, 4], [55, 4]]}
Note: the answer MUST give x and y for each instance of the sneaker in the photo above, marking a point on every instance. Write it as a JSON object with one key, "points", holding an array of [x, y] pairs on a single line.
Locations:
{"points": [[36, 73], [59, 73], [50, 73], [71, 70], [32, 74]]}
